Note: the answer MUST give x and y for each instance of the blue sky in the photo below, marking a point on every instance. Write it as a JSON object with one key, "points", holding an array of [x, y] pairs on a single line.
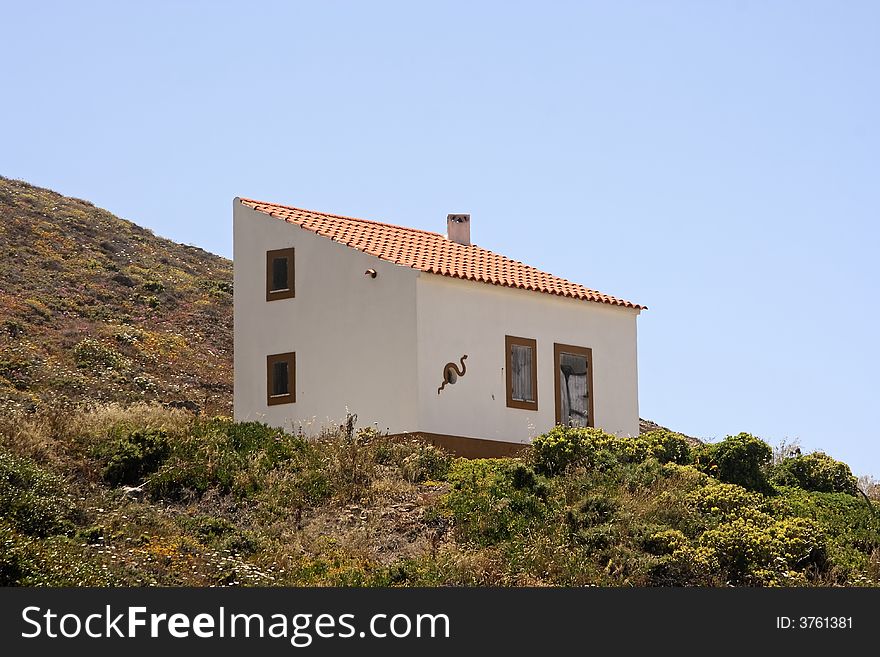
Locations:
{"points": [[718, 162]]}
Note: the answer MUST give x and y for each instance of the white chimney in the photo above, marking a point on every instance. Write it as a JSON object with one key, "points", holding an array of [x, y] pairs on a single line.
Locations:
{"points": [[458, 228]]}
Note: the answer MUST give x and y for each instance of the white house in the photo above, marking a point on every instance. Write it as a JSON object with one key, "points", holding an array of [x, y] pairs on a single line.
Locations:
{"points": [[419, 332]]}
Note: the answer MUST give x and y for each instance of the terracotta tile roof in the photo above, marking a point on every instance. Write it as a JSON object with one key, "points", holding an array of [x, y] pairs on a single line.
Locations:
{"points": [[432, 252]]}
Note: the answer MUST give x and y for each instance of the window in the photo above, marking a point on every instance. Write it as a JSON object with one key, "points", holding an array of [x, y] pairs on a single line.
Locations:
{"points": [[521, 357], [281, 379], [279, 274], [574, 385]]}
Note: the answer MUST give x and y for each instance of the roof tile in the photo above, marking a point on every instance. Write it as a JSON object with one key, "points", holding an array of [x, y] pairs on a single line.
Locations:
{"points": [[432, 253]]}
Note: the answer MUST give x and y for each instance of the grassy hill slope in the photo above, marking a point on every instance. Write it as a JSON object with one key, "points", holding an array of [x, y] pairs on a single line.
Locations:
{"points": [[149, 495], [93, 307], [102, 324]]}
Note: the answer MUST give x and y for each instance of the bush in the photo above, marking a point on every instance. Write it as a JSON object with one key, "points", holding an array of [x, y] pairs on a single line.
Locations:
{"points": [[773, 553], [565, 447], [237, 457], [594, 509], [739, 459], [53, 561], [722, 500], [668, 446], [816, 472], [32, 500], [258, 511], [417, 461], [91, 353], [685, 566], [134, 456], [493, 499], [350, 464], [562, 447], [666, 541], [851, 530], [13, 551], [220, 533], [222, 289], [590, 522]]}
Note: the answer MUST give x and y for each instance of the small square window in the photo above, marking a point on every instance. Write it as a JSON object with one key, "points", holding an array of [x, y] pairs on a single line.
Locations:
{"points": [[281, 379], [279, 274], [521, 361]]}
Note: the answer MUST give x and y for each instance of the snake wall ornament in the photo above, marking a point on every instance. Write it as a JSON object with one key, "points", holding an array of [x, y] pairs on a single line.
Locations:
{"points": [[451, 373]]}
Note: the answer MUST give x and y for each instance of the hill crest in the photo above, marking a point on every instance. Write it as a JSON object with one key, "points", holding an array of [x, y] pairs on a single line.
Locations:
{"points": [[97, 308]]}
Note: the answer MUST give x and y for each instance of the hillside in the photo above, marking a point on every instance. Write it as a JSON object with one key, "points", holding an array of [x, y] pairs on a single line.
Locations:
{"points": [[154, 496], [111, 338], [93, 307]]}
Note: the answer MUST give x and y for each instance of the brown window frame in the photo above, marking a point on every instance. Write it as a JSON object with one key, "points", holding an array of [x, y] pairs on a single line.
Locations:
{"points": [[509, 342], [290, 291], [290, 397], [586, 352]]}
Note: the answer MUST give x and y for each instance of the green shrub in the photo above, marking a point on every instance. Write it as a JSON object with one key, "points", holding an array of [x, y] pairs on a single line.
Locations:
{"points": [[663, 446], [685, 566], [559, 448], [271, 446], [17, 369], [851, 530], [13, 328], [238, 457], [205, 457], [52, 561], [564, 447], [613, 512], [739, 459], [590, 522], [668, 446], [91, 353], [492, 499], [594, 509], [221, 533], [13, 555], [129, 336], [666, 541], [32, 500], [719, 499], [132, 457], [816, 472], [417, 461], [772, 553], [221, 289], [425, 463]]}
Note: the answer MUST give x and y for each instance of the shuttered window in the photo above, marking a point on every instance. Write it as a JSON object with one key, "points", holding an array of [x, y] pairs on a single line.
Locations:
{"points": [[574, 385], [280, 274], [281, 379], [522, 372]]}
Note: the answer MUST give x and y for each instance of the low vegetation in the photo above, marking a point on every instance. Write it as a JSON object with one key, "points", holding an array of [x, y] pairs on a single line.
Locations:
{"points": [[118, 467], [146, 495], [96, 308]]}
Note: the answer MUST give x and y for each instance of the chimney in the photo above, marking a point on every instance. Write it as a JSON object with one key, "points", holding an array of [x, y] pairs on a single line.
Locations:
{"points": [[458, 228]]}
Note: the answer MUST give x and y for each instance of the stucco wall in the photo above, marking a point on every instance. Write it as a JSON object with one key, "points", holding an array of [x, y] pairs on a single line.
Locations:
{"points": [[461, 317], [354, 336]]}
